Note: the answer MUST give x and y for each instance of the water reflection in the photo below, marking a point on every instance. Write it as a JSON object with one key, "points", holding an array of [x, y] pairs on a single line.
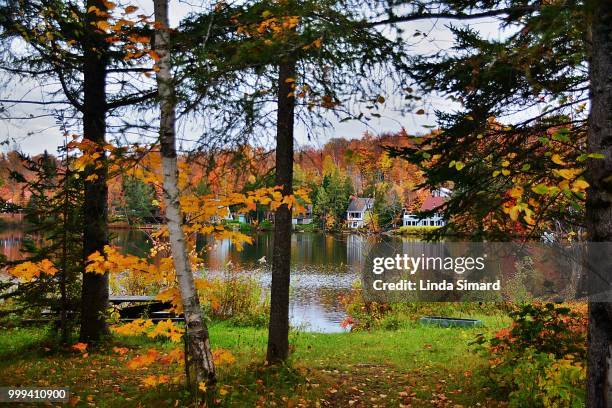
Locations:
{"points": [[323, 267]]}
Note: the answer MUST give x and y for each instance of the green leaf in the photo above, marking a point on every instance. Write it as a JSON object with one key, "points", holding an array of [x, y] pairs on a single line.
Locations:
{"points": [[540, 189]]}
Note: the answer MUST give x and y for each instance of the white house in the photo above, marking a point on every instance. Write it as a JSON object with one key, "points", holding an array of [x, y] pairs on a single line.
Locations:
{"points": [[358, 210], [431, 202], [303, 218]]}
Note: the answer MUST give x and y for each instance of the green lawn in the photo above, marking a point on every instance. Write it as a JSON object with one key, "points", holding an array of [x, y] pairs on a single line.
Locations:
{"points": [[414, 366]]}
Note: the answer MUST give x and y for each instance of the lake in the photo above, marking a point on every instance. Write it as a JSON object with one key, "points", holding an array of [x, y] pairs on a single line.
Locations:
{"points": [[323, 267]]}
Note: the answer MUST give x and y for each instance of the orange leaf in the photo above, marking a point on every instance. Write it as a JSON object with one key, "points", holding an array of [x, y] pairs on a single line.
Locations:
{"points": [[80, 347]]}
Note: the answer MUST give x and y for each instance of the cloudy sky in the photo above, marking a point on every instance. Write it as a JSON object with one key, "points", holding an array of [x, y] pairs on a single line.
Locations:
{"points": [[42, 133]]}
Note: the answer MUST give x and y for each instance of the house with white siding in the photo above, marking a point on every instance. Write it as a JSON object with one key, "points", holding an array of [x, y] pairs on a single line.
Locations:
{"points": [[359, 210], [434, 201]]}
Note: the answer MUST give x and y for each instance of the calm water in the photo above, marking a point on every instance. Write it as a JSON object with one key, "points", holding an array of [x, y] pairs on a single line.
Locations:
{"points": [[323, 267]]}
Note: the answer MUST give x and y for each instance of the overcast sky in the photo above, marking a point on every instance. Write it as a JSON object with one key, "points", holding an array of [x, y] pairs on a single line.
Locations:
{"points": [[36, 135]]}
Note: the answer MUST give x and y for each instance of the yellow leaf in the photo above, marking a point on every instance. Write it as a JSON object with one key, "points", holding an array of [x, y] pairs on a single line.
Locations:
{"points": [[568, 174], [557, 159], [514, 213], [580, 184], [150, 381], [103, 25], [516, 192], [223, 356]]}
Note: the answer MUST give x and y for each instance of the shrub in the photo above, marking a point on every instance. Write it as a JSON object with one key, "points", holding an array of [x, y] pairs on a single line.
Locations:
{"points": [[545, 328], [414, 230], [540, 360], [362, 314], [236, 298], [265, 225]]}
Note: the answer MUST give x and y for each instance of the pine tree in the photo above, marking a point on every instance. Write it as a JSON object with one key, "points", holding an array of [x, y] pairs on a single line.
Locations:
{"points": [[55, 232]]}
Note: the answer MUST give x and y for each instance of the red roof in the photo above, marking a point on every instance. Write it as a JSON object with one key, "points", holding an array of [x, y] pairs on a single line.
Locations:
{"points": [[432, 202]]}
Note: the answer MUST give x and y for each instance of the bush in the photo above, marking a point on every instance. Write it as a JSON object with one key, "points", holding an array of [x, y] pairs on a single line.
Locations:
{"points": [[237, 298], [540, 360], [265, 225], [361, 314], [305, 227]]}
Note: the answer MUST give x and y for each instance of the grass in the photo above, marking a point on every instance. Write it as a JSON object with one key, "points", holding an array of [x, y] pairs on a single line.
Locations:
{"points": [[417, 365], [415, 230]]}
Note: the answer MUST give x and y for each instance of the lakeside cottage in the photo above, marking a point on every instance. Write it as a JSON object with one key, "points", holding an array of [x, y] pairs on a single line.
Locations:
{"points": [[304, 218], [358, 210], [435, 199]]}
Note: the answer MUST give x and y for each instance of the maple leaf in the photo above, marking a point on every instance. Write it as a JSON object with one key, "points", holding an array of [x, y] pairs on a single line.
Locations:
{"points": [[79, 347], [223, 356], [150, 381], [27, 271], [103, 25], [120, 350], [143, 360], [154, 56]]}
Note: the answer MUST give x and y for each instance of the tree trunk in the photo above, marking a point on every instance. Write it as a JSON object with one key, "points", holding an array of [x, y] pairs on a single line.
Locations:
{"points": [[94, 295], [196, 331], [63, 276], [599, 202], [278, 330]]}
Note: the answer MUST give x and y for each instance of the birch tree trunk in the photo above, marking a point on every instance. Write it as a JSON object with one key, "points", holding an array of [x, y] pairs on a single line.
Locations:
{"points": [[599, 202], [278, 330], [199, 352]]}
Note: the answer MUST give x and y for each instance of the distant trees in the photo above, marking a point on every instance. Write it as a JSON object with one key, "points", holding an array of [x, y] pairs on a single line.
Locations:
{"points": [[138, 200], [331, 198]]}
